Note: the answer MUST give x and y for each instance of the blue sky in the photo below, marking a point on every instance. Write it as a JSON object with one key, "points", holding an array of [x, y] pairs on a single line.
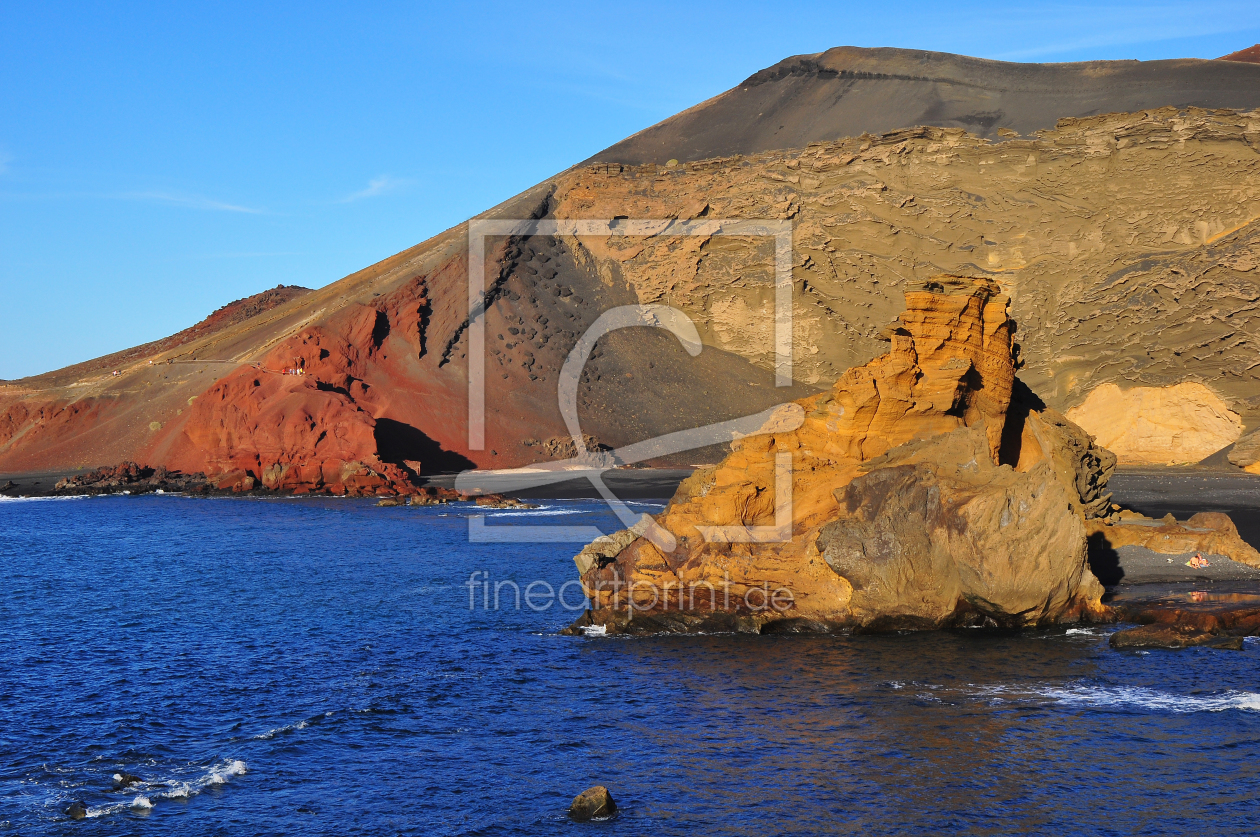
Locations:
{"points": [[157, 163]]}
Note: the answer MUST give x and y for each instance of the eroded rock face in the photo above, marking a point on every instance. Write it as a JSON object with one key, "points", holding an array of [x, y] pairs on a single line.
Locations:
{"points": [[1180, 424], [935, 533], [919, 497]]}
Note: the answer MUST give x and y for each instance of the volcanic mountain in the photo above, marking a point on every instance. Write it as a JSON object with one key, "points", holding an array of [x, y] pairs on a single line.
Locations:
{"points": [[1114, 202]]}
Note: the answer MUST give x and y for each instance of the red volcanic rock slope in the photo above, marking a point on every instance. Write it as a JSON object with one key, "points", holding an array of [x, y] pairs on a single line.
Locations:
{"points": [[361, 386], [1250, 55], [292, 389]]}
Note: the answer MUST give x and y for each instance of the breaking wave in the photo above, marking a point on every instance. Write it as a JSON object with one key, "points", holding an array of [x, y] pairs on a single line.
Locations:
{"points": [[287, 728], [1128, 697], [154, 791]]}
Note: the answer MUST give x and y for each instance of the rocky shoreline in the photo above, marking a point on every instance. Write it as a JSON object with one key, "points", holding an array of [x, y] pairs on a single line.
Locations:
{"points": [[131, 479]]}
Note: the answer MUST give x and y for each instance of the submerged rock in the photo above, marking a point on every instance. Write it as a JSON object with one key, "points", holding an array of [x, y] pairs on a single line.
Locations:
{"points": [[592, 803], [124, 780], [76, 810], [1172, 637], [927, 488]]}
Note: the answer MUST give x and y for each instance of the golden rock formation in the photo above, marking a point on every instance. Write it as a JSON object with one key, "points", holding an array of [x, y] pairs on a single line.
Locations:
{"points": [[918, 496]]}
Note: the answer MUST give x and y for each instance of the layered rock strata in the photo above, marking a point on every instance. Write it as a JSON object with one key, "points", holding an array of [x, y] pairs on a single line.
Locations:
{"points": [[920, 495]]}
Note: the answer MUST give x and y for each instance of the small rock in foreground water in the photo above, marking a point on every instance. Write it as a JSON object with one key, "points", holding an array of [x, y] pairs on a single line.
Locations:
{"points": [[593, 803]]}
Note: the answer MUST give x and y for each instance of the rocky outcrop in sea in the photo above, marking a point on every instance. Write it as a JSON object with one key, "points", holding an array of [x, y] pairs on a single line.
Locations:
{"points": [[926, 489]]}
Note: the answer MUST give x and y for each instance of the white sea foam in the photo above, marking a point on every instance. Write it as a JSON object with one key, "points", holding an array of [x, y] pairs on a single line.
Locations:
{"points": [[105, 810], [1082, 632], [1129, 697], [4, 499], [218, 774], [181, 790], [544, 511], [595, 630], [272, 733]]}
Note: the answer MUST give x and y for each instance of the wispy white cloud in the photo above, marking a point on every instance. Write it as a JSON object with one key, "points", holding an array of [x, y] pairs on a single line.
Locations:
{"points": [[376, 186], [189, 201]]}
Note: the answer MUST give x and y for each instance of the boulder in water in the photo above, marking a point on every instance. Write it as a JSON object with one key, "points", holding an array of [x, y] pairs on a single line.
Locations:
{"points": [[498, 501], [591, 804], [76, 810]]}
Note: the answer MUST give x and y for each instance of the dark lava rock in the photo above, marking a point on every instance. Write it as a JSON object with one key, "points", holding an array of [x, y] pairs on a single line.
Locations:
{"points": [[9, 485], [124, 780], [498, 501], [1172, 636], [76, 810], [132, 478], [592, 803]]}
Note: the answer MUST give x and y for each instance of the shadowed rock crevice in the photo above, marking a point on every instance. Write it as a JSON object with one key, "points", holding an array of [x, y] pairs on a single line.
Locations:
{"points": [[380, 329], [1104, 561], [400, 443], [1024, 402]]}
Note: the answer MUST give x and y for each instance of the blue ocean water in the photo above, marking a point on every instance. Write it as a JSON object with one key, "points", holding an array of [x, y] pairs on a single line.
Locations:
{"points": [[312, 667]]}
